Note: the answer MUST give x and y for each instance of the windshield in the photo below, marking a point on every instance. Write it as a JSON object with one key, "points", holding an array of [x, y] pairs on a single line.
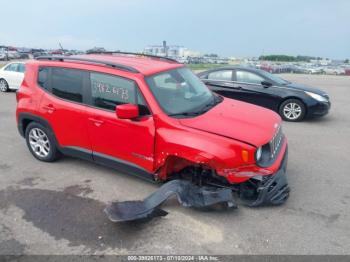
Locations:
{"points": [[179, 91], [276, 79]]}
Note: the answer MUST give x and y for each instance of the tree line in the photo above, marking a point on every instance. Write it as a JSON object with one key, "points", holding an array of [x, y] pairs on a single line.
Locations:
{"points": [[288, 58]]}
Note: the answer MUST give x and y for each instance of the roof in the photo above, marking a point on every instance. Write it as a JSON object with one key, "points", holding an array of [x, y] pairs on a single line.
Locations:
{"points": [[145, 65]]}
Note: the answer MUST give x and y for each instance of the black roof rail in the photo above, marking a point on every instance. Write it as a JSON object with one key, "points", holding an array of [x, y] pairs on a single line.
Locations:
{"points": [[90, 61], [136, 54]]}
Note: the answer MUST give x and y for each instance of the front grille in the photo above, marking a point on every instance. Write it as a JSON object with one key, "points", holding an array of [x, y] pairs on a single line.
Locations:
{"points": [[275, 142]]}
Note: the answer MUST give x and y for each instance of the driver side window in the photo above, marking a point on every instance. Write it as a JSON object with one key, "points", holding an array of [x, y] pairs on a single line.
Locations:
{"points": [[108, 91], [248, 77], [224, 75]]}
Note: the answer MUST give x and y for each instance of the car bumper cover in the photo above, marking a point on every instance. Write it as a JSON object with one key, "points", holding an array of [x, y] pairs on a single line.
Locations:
{"points": [[267, 190], [319, 109]]}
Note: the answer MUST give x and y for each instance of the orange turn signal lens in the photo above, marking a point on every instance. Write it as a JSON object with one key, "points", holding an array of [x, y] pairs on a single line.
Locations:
{"points": [[245, 155]]}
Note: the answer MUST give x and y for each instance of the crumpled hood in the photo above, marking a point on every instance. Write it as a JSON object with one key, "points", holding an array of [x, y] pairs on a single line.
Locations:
{"points": [[238, 120]]}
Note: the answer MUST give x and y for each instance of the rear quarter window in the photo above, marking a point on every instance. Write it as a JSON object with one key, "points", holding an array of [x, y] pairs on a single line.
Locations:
{"points": [[43, 77], [21, 68]]}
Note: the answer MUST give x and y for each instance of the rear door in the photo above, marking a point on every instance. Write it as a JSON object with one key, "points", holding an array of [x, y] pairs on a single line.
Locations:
{"points": [[221, 82], [62, 105]]}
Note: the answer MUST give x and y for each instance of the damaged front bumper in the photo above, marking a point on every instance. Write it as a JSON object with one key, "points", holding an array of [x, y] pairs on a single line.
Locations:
{"points": [[257, 191], [188, 195], [266, 190]]}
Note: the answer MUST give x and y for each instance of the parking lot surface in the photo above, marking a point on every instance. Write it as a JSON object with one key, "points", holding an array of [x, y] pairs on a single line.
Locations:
{"points": [[57, 208]]}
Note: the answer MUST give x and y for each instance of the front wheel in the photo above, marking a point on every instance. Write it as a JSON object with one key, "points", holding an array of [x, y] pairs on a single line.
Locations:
{"points": [[4, 87], [292, 110]]}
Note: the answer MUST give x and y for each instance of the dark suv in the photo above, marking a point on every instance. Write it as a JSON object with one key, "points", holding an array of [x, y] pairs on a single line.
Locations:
{"points": [[150, 116]]}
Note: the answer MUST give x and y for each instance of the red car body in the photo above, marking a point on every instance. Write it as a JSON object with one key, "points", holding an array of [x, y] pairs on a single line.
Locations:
{"points": [[223, 140]]}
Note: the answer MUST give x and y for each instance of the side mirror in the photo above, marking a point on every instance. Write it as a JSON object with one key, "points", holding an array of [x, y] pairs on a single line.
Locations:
{"points": [[127, 111], [266, 84]]}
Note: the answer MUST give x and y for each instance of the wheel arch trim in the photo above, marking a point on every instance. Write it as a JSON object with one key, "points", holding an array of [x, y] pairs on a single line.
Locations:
{"points": [[293, 97], [22, 125]]}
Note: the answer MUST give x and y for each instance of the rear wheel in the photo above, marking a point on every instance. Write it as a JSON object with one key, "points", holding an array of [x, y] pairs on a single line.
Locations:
{"points": [[4, 87], [41, 142], [292, 110]]}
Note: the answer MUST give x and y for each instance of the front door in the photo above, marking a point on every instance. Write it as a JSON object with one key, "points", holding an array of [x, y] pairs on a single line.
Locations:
{"points": [[122, 143], [252, 91]]}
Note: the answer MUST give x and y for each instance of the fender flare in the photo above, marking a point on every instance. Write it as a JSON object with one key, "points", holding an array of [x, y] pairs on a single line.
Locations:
{"points": [[25, 118]]}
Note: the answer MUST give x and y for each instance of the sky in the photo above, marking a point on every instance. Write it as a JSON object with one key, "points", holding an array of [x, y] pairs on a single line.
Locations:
{"points": [[236, 28]]}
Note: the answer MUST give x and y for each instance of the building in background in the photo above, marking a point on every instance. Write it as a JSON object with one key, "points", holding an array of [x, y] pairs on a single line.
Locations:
{"points": [[174, 51], [181, 53]]}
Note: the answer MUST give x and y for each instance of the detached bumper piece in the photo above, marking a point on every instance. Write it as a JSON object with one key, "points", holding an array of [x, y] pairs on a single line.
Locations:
{"points": [[188, 195], [266, 190]]}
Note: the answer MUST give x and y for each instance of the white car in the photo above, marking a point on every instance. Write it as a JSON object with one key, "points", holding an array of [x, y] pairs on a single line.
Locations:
{"points": [[3, 56], [11, 76], [334, 71]]}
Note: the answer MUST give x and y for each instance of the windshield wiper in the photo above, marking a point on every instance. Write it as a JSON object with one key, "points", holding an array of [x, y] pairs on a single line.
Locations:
{"points": [[216, 100], [186, 114]]}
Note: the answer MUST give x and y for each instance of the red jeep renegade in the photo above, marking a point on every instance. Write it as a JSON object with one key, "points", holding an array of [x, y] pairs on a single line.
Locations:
{"points": [[152, 117]]}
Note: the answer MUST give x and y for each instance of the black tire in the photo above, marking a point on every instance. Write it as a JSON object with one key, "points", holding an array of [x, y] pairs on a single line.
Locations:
{"points": [[4, 86], [293, 115], [52, 152]]}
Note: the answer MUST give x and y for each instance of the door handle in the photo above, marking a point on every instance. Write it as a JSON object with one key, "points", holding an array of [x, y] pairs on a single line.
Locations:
{"points": [[49, 108], [96, 121]]}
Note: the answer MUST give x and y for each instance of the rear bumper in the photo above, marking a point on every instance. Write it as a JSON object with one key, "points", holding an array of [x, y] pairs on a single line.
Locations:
{"points": [[267, 190]]}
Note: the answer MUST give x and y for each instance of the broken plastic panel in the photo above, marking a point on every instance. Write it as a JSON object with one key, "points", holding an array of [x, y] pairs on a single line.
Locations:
{"points": [[188, 195]]}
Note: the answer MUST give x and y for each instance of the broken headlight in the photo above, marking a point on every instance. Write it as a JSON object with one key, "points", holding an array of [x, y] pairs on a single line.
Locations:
{"points": [[258, 154]]}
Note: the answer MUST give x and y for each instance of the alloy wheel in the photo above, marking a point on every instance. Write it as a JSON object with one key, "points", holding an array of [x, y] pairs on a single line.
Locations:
{"points": [[3, 85], [292, 111], [39, 142]]}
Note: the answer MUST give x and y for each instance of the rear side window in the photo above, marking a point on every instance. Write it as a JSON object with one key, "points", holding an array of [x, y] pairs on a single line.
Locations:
{"points": [[43, 77], [67, 83], [21, 68]]}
